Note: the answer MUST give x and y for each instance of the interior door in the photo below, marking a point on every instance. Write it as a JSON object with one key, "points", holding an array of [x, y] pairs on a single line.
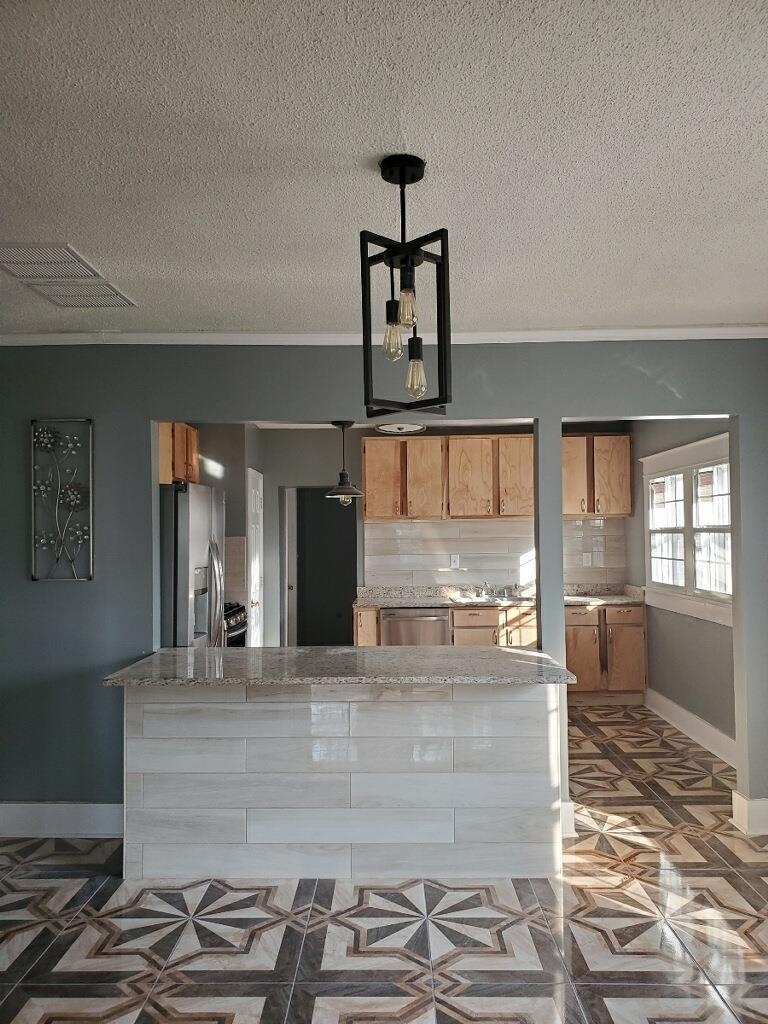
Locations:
{"points": [[576, 496], [425, 477], [582, 657], [470, 477], [613, 484], [516, 476], [254, 557]]}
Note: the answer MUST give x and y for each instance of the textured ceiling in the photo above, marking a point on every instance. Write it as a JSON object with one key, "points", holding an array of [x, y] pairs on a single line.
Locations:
{"points": [[597, 164]]}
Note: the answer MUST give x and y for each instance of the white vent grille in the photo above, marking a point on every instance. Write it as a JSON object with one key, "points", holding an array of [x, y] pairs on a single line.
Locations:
{"points": [[44, 263], [96, 294]]}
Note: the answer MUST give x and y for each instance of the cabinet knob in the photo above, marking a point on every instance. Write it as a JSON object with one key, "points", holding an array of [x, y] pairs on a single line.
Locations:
{"points": [[502, 506], [397, 508], [595, 634], [489, 506], [597, 504], [495, 637], [410, 508], [583, 504], [610, 633]]}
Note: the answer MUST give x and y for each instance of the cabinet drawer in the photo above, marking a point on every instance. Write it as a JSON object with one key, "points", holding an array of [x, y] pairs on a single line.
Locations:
{"points": [[634, 615], [581, 616], [479, 617], [481, 636]]}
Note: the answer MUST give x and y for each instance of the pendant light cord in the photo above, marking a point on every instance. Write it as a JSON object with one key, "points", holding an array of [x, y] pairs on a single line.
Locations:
{"points": [[343, 450], [402, 207]]}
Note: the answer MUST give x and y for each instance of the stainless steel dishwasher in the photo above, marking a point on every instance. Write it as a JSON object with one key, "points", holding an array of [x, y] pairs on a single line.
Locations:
{"points": [[415, 627]]}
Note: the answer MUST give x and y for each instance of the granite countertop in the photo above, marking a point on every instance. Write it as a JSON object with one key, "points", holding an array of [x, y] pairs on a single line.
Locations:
{"points": [[380, 666], [515, 602]]}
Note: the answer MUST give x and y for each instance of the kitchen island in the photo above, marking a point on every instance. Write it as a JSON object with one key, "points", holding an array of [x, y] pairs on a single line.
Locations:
{"points": [[342, 762]]}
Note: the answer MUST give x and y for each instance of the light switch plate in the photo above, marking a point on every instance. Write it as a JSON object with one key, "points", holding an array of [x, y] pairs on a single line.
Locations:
{"points": [[454, 561]]}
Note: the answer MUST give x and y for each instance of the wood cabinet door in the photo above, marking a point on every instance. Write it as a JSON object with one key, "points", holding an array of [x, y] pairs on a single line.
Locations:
{"points": [[626, 658], [582, 657], [366, 627], [480, 636], [576, 496], [516, 476], [613, 475], [470, 478], [383, 477], [165, 453], [179, 432], [193, 456], [425, 477]]}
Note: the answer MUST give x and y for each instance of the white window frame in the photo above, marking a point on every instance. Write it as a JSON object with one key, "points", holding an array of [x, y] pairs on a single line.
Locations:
{"points": [[686, 600]]}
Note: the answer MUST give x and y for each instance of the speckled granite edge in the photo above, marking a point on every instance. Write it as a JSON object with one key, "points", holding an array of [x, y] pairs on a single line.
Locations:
{"points": [[557, 677]]}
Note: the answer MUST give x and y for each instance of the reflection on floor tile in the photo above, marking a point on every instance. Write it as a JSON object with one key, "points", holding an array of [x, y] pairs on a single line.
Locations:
{"points": [[642, 1004], [749, 1002], [512, 1003], [55, 1004], [63, 857], [635, 816]]}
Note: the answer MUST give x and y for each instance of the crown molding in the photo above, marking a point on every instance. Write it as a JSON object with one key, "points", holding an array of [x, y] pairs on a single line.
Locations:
{"points": [[722, 332]]}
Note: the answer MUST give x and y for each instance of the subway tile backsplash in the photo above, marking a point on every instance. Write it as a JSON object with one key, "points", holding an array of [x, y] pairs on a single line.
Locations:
{"points": [[502, 552]]}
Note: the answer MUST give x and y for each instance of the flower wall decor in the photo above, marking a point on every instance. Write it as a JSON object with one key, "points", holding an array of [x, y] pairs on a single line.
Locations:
{"points": [[62, 502]]}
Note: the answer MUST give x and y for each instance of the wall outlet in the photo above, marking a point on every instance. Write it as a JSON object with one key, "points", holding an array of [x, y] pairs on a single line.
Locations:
{"points": [[454, 561]]}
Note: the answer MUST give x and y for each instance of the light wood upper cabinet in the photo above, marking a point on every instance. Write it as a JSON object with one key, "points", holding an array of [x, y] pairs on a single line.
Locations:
{"points": [[425, 477], [383, 465], [613, 486], [582, 657], [471, 491], [178, 453], [626, 658], [516, 475], [576, 490]]}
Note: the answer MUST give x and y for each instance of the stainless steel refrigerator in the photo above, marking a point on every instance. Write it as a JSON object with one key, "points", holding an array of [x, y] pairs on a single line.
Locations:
{"points": [[191, 566]]}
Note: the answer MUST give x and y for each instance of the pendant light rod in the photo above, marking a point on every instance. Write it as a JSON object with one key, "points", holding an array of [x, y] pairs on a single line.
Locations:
{"points": [[402, 207], [343, 426]]}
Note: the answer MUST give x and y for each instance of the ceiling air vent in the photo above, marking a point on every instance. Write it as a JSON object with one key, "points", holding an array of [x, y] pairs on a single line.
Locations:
{"points": [[44, 263], [95, 294]]}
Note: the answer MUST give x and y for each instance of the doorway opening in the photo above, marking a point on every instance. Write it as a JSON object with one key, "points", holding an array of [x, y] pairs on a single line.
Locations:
{"points": [[326, 569]]}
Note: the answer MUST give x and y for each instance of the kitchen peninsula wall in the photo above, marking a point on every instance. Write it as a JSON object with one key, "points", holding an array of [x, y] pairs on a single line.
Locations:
{"points": [[502, 552]]}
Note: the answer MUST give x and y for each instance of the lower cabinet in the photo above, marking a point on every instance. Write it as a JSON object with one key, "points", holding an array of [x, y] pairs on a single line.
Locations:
{"points": [[366, 627], [605, 649], [626, 658], [582, 657]]}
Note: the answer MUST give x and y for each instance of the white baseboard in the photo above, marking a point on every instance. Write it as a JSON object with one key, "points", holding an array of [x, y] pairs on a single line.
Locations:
{"points": [[568, 819], [81, 821], [750, 816], [699, 730]]}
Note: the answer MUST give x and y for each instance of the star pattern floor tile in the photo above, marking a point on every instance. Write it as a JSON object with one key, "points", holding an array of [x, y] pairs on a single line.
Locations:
{"points": [[659, 914]]}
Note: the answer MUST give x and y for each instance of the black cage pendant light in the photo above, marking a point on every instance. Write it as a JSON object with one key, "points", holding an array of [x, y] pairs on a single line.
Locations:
{"points": [[344, 491], [405, 257]]}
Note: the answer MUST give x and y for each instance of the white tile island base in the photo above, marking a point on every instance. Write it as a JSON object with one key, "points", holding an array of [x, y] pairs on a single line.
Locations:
{"points": [[342, 779]]}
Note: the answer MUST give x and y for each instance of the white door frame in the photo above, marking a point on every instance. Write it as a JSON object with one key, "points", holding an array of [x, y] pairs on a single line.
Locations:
{"points": [[254, 557], [288, 567]]}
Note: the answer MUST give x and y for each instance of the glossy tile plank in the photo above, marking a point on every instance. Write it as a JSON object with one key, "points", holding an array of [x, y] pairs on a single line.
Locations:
{"points": [[348, 754], [458, 789], [247, 789], [319, 718]]}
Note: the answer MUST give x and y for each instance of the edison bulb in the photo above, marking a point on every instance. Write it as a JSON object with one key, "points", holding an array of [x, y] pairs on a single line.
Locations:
{"points": [[406, 310], [416, 378], [392, 346], [345, 500]]}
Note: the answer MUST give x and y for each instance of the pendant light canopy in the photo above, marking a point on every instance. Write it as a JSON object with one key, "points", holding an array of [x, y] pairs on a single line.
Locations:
{"points": [[344, 491], [403, 311]]}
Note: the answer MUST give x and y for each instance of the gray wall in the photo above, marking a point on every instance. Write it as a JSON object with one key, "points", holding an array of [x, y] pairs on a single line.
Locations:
{"points": [[224, 444], [690, 660], [62, 737]]}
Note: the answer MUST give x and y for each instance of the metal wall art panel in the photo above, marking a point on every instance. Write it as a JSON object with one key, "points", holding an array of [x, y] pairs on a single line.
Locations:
{"points": [[62, 499]]}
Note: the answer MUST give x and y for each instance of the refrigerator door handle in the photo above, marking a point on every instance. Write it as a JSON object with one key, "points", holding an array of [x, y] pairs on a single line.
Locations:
{"points": [[217, 578]]}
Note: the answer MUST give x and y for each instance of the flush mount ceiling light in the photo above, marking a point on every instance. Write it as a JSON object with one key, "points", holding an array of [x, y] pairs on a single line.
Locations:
{"points": [[405, 257], [401, 428], [344, 491]]}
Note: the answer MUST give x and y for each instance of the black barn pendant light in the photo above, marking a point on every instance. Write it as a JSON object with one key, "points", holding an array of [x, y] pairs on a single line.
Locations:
{"points": [[405, 257], [344, 491]]}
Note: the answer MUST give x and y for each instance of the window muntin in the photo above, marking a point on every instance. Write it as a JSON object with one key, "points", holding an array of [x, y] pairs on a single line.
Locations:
{"points": [[689, 531]]}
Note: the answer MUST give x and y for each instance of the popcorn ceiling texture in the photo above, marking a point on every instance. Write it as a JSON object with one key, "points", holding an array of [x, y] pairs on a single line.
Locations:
{"points": [[597, 163]]}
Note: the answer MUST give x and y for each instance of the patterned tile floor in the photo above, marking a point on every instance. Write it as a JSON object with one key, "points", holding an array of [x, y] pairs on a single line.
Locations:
{"points": [[660, 915]]}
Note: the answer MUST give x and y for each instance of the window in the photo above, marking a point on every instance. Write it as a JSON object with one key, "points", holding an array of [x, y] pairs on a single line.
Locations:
{"points": [[688, 528]]}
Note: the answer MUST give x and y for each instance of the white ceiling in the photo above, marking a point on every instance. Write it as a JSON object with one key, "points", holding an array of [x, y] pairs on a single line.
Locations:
{"points": [[598, 164]]}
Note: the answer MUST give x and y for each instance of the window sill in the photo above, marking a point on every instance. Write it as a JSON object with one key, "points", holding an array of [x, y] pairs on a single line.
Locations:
{"points": [[688, 604]]}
